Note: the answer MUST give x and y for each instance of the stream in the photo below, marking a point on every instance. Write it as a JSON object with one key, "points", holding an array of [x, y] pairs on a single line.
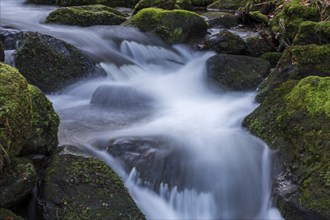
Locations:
{"points": [[175, 139]]}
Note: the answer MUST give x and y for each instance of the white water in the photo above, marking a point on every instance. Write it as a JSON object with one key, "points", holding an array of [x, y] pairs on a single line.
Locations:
{"points": [[229, 174]]}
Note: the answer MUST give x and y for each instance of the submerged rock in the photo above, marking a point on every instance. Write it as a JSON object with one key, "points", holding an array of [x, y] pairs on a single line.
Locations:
{"points": [[121, 98], [226, 42], [293, 120], [176, 26], [78, 187], [237, 72], [86, 16], [51, 64]]}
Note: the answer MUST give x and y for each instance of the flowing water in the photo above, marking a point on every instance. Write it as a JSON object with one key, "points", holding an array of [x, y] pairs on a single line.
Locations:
{"points": [[157, 105]]}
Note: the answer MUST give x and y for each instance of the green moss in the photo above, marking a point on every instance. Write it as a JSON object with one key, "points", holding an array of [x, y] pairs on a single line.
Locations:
{"points": [[226, 4], [313, 33], [221, 18], [164, 4], [167, 24], [258, 17], [86, 16], [15, 112], [85, 188], [294, 12], [271, 57], [110, 3]]}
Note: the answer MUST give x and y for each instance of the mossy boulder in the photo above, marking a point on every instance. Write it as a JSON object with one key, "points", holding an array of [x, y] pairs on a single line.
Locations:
{"points": [[164, 4], [2, 52], [226, 42], [258, 17], [16, 182], [226, 4], [313, 33], [110, 3], [184, 5], [201, 3], [237, 72], [298, 62], [86, 16], [15, 112], [176, 26], [256, 46], [288, 20], [51, 64], [9, 215], [292, 119], [78, 187], [223, 19], [271, 57], [45, 122]]}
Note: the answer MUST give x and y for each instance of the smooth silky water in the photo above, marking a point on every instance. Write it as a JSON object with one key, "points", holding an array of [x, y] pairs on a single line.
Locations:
{"points": [[156, 91]]}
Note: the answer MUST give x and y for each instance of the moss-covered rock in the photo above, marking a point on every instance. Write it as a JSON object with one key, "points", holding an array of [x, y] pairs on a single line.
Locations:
{"points": [[6, 214], [51, 64], [256, 46], [2, 52], [45, 122], [298, 62], [313, 33], [184, 5], [294, 12], [110, 3], [17, 181], [258, 17], [164, 4], [86, 16], [224, 19], [292, 119], [237, 72], [226, 4], [15, 112], [271, 57], [85, 188], [176, 26], [201, 3], [226, 42]]}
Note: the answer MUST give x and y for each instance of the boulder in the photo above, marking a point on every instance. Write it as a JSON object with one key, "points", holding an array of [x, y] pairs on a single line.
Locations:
{"points": [[16, 182], [271, 57], [258, 17], [311, 32], [80, 187], [223, 19], [237, 72], [176, 26], [51, 64], [164, 4], [291, 119], [87, 15], [225, 42], [293, 13], [226, 4], [121, 98], [45, 122], [201, 3], [256, 46], [184, 5], [110, 3], [15, 113], [296, 63]]}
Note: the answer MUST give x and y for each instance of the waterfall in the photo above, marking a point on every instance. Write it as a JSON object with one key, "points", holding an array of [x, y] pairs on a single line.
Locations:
{"points": [[176, 141]]}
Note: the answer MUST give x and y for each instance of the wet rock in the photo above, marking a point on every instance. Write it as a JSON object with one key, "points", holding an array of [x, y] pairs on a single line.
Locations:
{"points": [[121, 98], [291, 120], [226, 42], [78, 187], [176, 26], [86, 16], [11, 38], [201, 3], [256, 46], [223, 19], [271, 57], [313, 33], [226, 4], [16, 182], [51, 64], [15, 113], [45, 122], [237, 72], [110, 3], [296, 63], [164, 4], [2, 51], [184, 4]]}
